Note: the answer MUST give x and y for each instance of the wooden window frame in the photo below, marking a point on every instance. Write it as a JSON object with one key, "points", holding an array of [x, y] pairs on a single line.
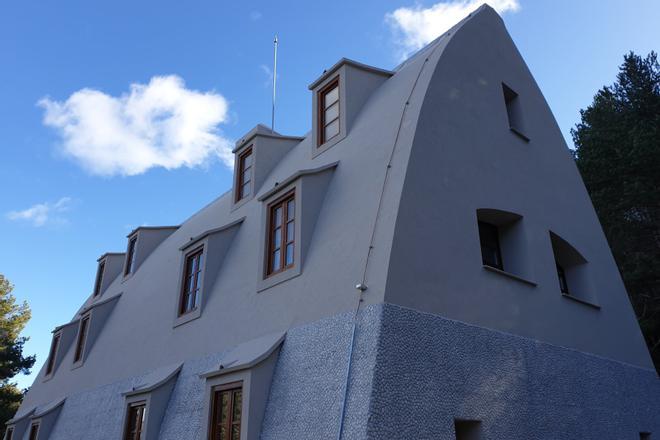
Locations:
{"points": [[217, 391], [81, 340], [141, 418], [130, 255], [285, 240], [498, 244], [52, 354], [34, 431], [240, 170], [99, 278], [320, 111], [183, 295]]}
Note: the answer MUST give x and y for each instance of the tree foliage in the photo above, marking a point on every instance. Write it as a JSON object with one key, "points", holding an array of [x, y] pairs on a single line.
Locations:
{"points": [[13, 318], [618, 153]]}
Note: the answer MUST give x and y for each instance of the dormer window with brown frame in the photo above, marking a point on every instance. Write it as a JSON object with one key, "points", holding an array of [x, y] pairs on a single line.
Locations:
{"points": [[192, 282], [281, 234], [244, 176], [135, 417], [83, 331], [130, 256], [99, 278], [54, 347], [34, 431], [328, 112]]}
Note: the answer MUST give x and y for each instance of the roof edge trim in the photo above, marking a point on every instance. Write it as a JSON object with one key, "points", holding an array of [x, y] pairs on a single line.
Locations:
{"points": [[49, 408], [155, 385], [297, 175], [356, 64], [203, 235], [100, 303], [151, 228], [110, 254]]}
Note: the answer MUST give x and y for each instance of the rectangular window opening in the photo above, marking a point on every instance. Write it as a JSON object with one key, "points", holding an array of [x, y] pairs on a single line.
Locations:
{"points": [[10, 434], [34, 432], [130, 256], [99, 278], [644, 436], [53, 352], [244, 178], [491, 253], [467, 429], [281, 234], [192, 281], [513, 111], [135, 421], [328, 112], [82, 339], [227, 402]]}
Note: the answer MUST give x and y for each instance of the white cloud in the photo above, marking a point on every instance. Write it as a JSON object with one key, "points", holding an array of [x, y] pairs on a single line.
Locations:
{"points": [[160, 124], [255, 15], [43, 213], [416, 26]]}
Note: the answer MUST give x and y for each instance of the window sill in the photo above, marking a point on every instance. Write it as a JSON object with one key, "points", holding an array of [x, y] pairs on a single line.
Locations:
{"points": [[519, 134], [190, 316], [509, 275], [581, 301]]}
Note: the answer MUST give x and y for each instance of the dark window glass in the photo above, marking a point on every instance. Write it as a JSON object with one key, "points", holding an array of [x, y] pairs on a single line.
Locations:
{"points": [[192, 281], [10, 434], [244, 170], [53, 352], [226, 414], [563, 284], [328, 112], [99, 278], [34, 431], [130, 256], [281, 235], [135, 421], [82, 338], [490, 245]]}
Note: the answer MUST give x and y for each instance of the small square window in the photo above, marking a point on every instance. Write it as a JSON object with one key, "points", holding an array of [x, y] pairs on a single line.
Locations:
{"points": [[135, 421], [281, 234], [244, 176], [489, 237], [467, 429], [83, 330], [99, 278], [130, 256], [34, 431], [192, 281], [226, 411], [54, 345], [328, 112]]}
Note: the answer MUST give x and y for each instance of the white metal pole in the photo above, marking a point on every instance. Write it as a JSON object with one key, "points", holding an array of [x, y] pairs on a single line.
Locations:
{"points": [[272, 121]]}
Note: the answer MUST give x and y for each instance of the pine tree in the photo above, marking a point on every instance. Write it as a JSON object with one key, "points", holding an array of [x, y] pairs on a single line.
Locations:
{"points": [[618, 153]]}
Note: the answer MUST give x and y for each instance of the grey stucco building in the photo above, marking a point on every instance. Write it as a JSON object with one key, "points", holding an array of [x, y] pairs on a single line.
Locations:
{"points": [[424, 264]]}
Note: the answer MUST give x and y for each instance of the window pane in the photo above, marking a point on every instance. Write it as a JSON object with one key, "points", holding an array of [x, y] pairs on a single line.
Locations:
{"points": [[332, 113], [331, 97], [238, 402], [290, 210], [276, 261], [289, 254], [290, 232], [247, 161], [331, 130], [277, 238], [245, 190], [278, 216], [236, 432]]}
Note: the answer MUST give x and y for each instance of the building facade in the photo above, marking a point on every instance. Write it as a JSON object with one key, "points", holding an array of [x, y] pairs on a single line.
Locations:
{"points": [[424, 264]]}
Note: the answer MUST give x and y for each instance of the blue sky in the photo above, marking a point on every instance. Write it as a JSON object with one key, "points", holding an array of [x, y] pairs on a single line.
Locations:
{"points": [[115, 114]]}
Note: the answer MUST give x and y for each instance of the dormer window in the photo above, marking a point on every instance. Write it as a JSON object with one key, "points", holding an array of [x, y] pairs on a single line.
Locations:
{"points": [[130, 256], [54, 346], [244, 177], [82, 339], [281, 236], [99, 278], [34, 431], [192, 281], [328, 112], [135, 421]]}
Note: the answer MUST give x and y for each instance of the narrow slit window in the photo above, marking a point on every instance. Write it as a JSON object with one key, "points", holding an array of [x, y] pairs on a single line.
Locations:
{"points": [[328, 112], [130, 256], [10, 434], [99, 278], [54, 345], [563, 283], [192, 281], [226, 413], [82, 339], [489, 238], [244, 179], [513, 111], [34, 431], [135, 421], [281, 236]]}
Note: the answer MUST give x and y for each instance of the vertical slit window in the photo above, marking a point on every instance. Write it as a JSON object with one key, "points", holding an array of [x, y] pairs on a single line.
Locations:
{"points": [[99, 278], [281, 237], [10, 434], [135, 421], [491, 253], [82, 339], [328, 112], [226, 414], [54, 345], [130, 256], [192, 281], [34, 431], [244, 180], [563, 283]]}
